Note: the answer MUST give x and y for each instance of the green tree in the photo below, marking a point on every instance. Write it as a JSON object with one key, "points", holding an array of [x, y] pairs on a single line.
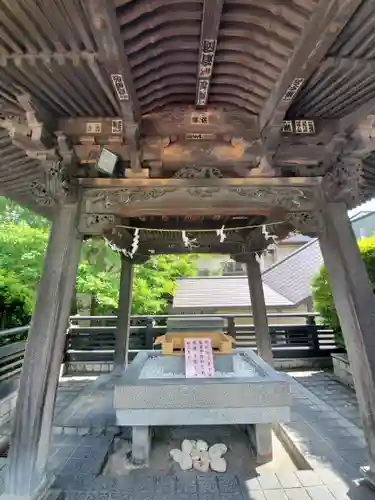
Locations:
{"points": [[321, 288], [12, 212], [155, 282], [16, 302], [23, 241]]}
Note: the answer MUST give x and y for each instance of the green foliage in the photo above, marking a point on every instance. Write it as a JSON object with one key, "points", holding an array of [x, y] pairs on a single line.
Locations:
{"points": [[321, 288], [155, 281], [12, 212], [23, 241], [16, 301], [22, 250]]}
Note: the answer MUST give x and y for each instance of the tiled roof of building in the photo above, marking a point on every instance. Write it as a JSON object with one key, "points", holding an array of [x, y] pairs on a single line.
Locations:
{"points": [[221, 291], [291, 276], [285, 283]]}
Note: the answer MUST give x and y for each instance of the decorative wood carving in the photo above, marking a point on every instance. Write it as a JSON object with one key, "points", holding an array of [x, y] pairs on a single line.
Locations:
{"points": [[40, 194], [198, 173], [309, 223], [57, 180], [112, 200], [203, 192], [345, 182], [217, 196], [289, 198], [95, 223], [57, 186]]}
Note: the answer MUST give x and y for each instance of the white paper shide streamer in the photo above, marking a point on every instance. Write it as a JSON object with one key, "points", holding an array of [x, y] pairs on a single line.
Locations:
{"points": [[269, 237], [135, 243], [220, 232], [189, 242]]}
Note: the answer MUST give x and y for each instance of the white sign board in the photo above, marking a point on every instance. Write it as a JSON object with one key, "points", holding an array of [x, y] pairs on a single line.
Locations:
{"points": [[199, 360]]}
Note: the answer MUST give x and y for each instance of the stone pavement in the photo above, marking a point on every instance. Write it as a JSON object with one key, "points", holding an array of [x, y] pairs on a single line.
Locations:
{"points": [[322, 434], [337, 395], [92, 411]]}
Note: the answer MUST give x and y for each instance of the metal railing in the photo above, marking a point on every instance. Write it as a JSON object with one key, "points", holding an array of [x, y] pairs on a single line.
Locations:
{"points": [[12, 351]]}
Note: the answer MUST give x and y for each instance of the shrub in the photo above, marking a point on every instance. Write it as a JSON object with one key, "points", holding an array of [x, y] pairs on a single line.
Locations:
{"points": [[321, 288]]}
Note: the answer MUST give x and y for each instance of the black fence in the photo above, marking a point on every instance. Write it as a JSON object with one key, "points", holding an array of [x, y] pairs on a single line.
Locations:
{"points": [[92, 338], [96, 343], [12, 350]]}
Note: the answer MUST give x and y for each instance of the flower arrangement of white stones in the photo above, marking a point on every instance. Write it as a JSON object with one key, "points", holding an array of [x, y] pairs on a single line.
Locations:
{"points": [[197, 455]]}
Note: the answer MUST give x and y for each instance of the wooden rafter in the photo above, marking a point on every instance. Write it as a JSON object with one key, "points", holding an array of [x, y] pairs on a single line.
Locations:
{"points": [[328, 19], [108, 38], [209, 33]]}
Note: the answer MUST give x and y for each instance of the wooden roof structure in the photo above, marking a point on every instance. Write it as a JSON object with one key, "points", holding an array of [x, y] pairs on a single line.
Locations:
{"points": [[220, 112]]}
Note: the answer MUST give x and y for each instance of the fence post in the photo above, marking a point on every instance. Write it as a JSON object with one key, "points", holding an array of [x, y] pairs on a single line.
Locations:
{"points": [[67, 342], [310, 320], [315, 346], [231, 327], [149, 334]]}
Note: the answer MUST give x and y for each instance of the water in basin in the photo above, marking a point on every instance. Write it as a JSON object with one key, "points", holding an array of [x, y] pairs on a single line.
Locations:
{"points": [[226, 366]]}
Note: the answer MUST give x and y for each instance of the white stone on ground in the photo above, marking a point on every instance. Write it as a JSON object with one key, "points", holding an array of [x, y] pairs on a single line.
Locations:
{"points": [[201, 445], [186, 462], [194, 454], [217, 450], [202, 464], [218, 464], [186, 446], [153, 368], [176, 454]]}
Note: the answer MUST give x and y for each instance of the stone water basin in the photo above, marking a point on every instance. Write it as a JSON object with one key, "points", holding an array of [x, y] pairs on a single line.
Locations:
{"points": [[153, 391]]}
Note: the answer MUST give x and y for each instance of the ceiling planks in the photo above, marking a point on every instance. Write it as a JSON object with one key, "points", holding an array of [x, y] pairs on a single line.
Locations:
{"points": [[327, 20]]}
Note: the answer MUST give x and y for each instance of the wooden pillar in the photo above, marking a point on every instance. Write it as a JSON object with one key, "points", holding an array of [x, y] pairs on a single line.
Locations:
{"points": [[35, 402], [354, 300], [262, 334], [123, 316], [68, 288]]}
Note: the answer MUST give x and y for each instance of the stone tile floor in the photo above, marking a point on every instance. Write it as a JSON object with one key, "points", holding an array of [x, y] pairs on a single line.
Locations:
{"points": [[324, 429]]}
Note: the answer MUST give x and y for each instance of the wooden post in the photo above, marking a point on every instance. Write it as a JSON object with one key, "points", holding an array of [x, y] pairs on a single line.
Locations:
{"points": [[231, 327], [68, 292], [355, 304], [35, 403], [262, 334], [123, 316], [149, 334]]}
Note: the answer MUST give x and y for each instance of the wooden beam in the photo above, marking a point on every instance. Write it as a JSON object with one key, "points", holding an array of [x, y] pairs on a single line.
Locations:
{"points": [[209, 34], [179, 154], [198, 197], [107, 35], [173, 121], [328, 19], [290, 182]]}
